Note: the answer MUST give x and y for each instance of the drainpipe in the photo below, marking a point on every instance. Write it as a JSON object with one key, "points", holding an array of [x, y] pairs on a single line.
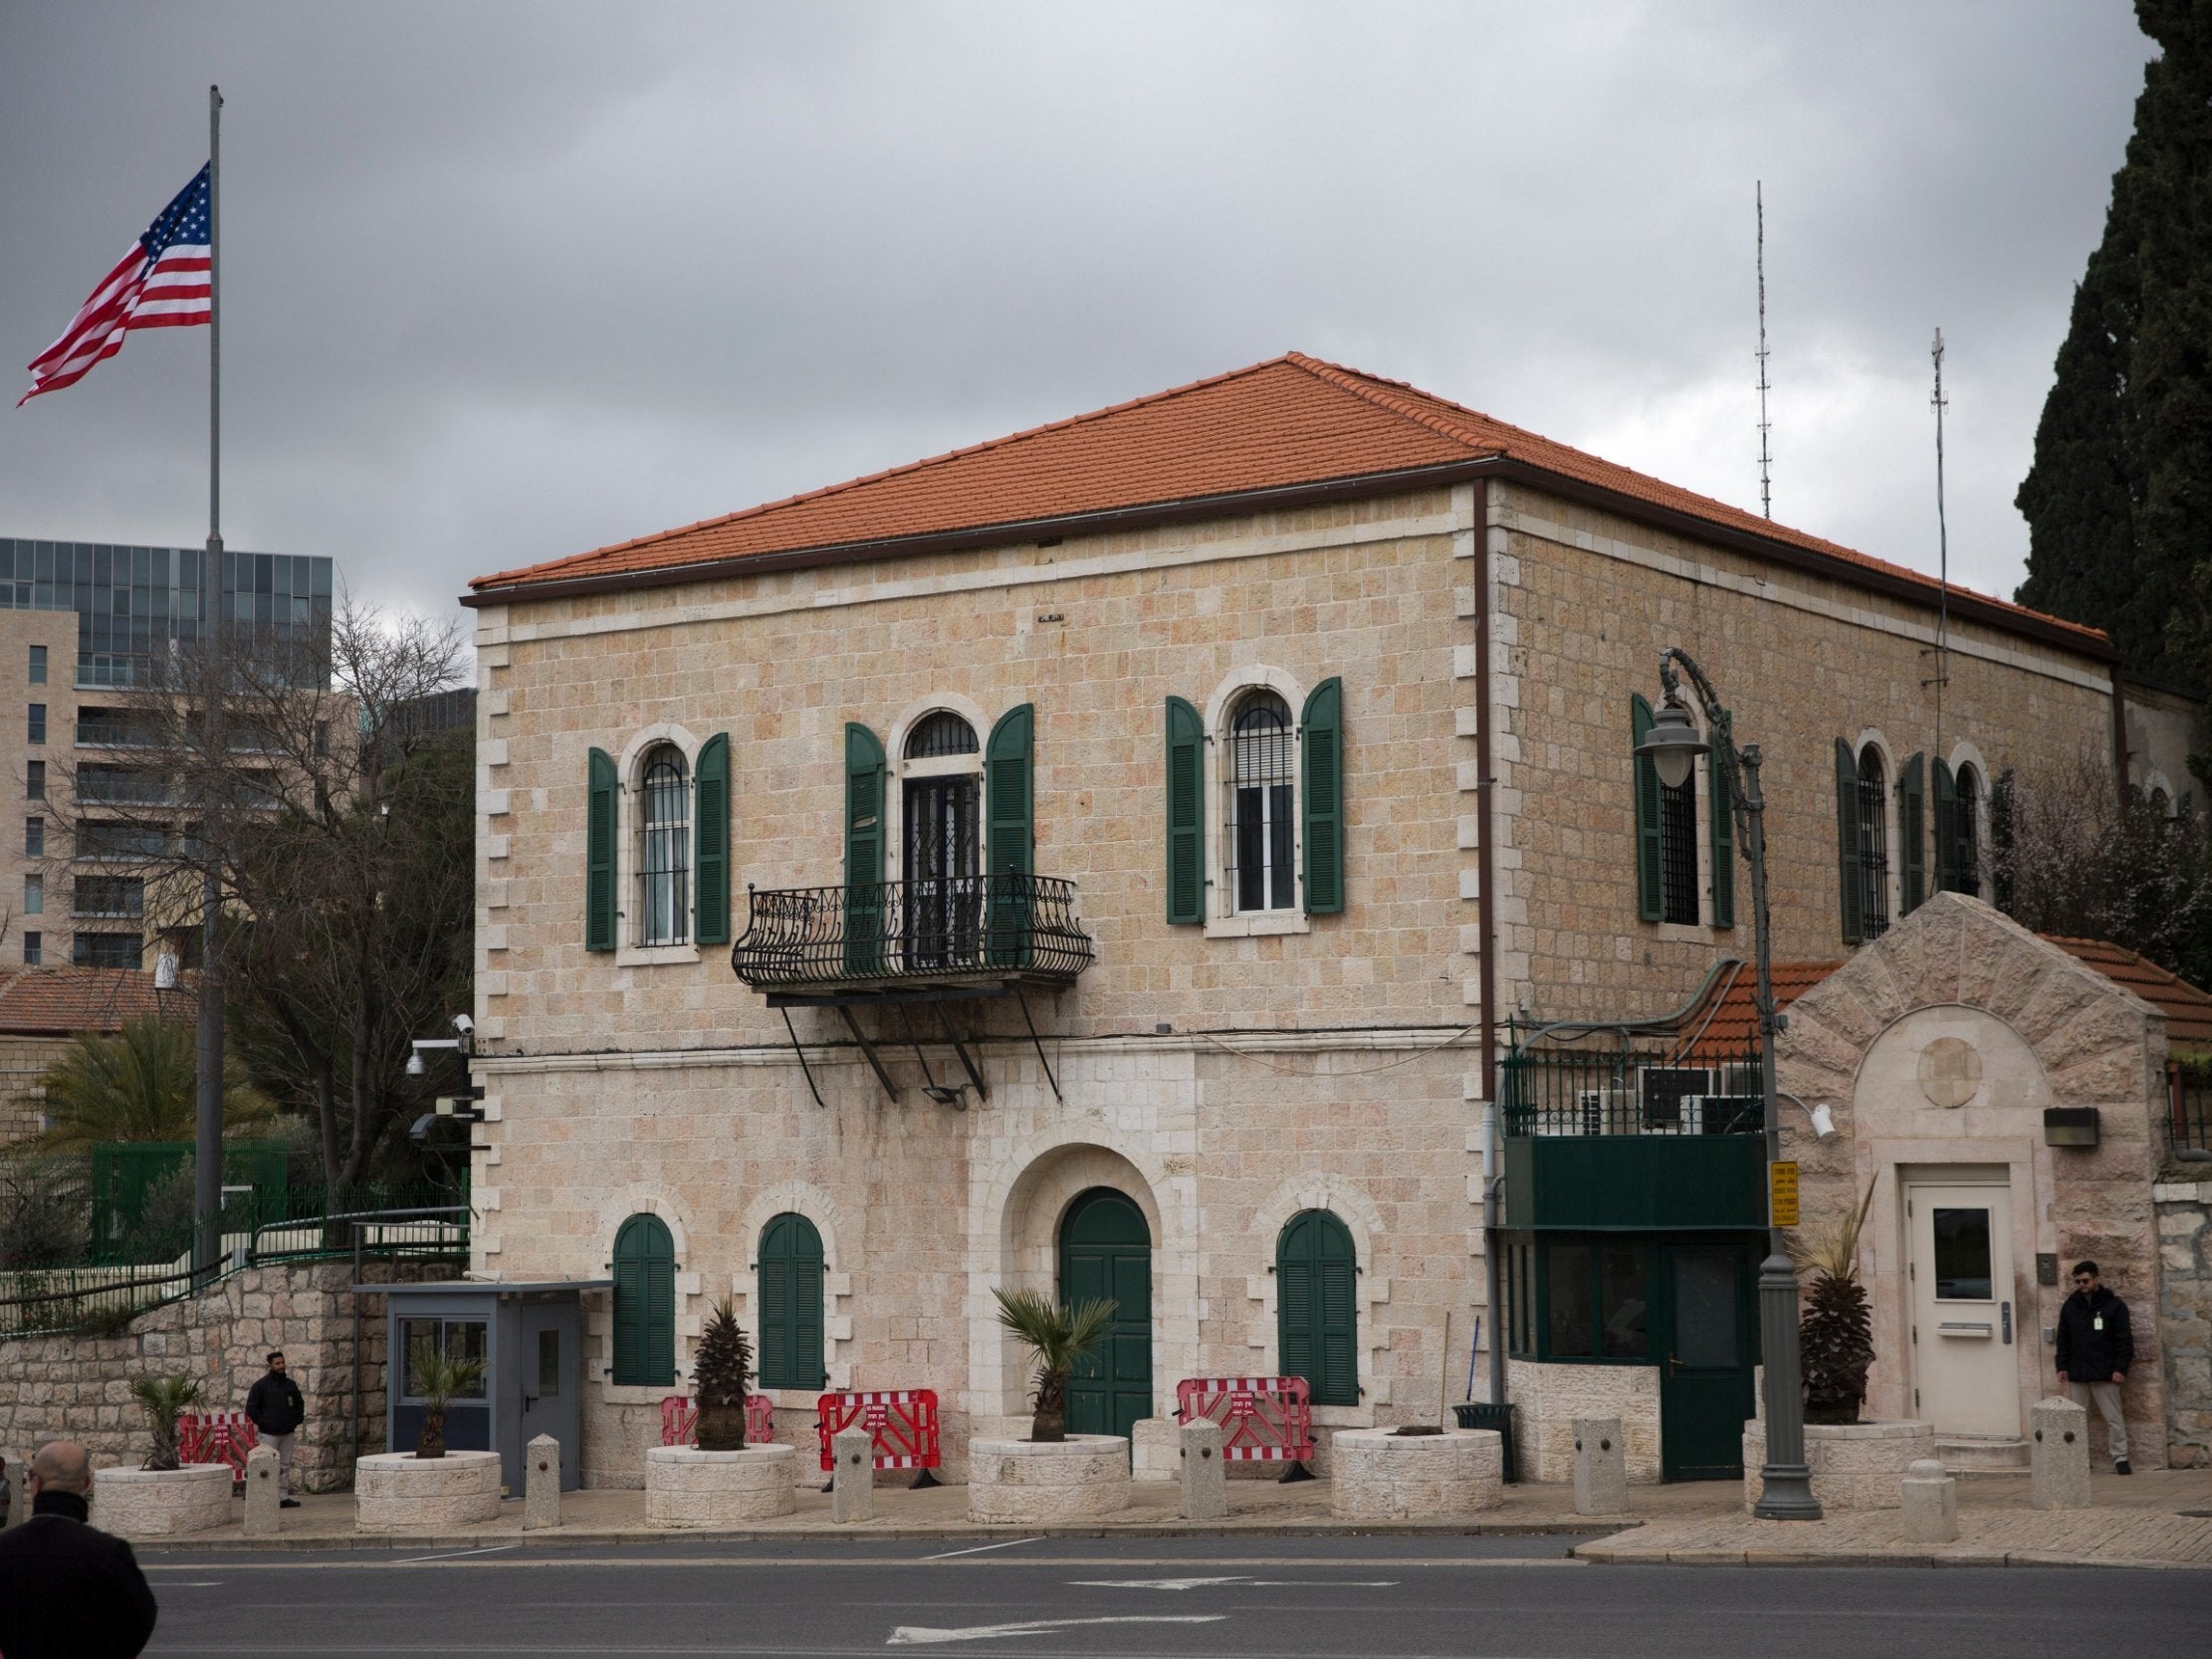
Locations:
{"points": [[2120, 740], [1485, 971]]}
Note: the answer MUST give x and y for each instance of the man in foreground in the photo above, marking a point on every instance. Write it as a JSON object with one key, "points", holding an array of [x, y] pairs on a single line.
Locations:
{"points": [[69, 1590], [2096, 1346], [275, 1408]]}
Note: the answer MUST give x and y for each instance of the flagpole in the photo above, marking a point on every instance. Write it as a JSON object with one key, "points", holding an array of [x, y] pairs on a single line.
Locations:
{"points": [[207, 1182]]}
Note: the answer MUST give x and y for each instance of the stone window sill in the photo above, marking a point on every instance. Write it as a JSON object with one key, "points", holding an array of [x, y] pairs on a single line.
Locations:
{"points": [[653, 956], [1677, 933], [1344, 1416], [1259, 924]]}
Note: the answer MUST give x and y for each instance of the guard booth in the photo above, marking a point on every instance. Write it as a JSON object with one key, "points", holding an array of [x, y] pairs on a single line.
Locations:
{"points": [[526, 1334]]}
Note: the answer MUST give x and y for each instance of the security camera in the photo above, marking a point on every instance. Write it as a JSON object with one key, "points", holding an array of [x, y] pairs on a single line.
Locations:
{"points": [[463, 1024], [1824, 1124], [414, 1065]]}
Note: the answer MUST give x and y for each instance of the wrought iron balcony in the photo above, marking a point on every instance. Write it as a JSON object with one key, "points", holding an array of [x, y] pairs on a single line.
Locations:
{"points": [[883, 936]]}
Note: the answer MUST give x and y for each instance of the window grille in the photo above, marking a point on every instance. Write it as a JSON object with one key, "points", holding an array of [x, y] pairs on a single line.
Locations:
{"points": [[1873, 843], [943, 733], [1261, 771], [1968, 831], [1679, 850], [664, 861]]}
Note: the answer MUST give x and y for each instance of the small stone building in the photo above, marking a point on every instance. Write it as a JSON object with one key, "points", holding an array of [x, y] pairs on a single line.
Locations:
{"points": [[42, 1009], [1107, 859]]}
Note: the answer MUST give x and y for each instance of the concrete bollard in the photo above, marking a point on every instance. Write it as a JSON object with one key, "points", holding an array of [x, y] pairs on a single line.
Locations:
{"points": [[2059, 1456], [1204, 1473], [1931, 1504], [19, 1489], [853, 1481], [1601, 1467], [541, 1483], [264, 1514]]}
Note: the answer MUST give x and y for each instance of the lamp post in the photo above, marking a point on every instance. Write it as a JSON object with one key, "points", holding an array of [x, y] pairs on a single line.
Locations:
{"points": [[1673, 744]]}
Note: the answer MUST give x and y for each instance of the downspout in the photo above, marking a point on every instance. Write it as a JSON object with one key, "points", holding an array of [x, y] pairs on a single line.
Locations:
{"points": [[2120, 740], [1485, 970]]}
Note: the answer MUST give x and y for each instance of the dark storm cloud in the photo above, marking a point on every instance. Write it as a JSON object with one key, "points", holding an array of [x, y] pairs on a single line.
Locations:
{"points": [[505, 282]]}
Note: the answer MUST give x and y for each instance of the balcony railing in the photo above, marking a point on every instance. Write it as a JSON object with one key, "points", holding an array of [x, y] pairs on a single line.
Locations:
{"points": [[1631, 1089], [883, 933]]}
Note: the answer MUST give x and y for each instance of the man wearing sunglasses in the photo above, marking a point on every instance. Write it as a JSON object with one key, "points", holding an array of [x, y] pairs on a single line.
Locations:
{"points": [[2095, 1348]]}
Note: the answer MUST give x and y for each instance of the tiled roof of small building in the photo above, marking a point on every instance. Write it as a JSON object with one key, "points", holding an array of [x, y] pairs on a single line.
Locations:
{"points": [[66, 1001], [1291, 421]]}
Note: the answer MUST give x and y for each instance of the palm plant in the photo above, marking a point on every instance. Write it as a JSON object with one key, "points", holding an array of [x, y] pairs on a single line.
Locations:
{"points": [[139, 1085], [1057, 1336], [438, 1379], [1835, 1335], [165, 1398], [721, 1368]]}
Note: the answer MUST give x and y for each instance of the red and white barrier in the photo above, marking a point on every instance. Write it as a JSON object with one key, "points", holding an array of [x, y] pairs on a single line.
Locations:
{"points": [[1264, 1419], [901, 1421], [216, 1437]]}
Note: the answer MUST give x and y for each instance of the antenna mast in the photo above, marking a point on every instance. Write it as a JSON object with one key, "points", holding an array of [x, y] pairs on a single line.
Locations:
{"points": [[1943, 549], [1766, 494]]}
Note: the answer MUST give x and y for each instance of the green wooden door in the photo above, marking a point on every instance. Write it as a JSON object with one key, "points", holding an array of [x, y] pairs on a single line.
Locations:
{"points": [[1708, 1343], [1106, 1251]]}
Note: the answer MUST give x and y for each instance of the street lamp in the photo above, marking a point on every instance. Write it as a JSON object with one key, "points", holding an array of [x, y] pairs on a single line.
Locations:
{"points": [[1671, 746]]}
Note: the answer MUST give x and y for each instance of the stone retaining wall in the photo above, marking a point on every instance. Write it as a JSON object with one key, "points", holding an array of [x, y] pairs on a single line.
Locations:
{"points": [[78, 1387], [2184, 1211]]}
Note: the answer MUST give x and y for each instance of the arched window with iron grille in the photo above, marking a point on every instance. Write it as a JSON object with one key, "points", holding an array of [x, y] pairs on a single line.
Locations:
{"points": [[1873, 843], [664, 848], [1262, 774]]}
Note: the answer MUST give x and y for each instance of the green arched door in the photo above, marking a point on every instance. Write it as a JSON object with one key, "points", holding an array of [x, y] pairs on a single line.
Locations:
{"points": [[1106, 1251]]}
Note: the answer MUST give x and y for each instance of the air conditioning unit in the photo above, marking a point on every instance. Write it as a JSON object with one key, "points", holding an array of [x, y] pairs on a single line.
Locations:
{"points": [[1722, 1114], [1662, 1090], [1587, 1114]]}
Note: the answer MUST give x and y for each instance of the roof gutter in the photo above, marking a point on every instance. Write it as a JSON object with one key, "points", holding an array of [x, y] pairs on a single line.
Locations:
{"points": [[1283, 498]]}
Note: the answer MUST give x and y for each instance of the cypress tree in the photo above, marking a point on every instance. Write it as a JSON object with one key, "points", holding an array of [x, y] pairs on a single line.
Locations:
{"points": [[2119, 501]]}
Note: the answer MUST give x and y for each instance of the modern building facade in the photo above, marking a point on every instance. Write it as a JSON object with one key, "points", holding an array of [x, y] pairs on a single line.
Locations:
{"points": [[79, 624], [1139, 857]]}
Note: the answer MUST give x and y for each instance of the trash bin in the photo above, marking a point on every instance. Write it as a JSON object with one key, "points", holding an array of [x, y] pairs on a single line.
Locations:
{"points": [[1482, 1414]]}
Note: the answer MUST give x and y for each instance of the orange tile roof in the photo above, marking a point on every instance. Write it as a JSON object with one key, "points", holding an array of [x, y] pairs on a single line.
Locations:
{"points": [[1288, 421], [1733, 1029], [2188, 1010], [63, 1001]]}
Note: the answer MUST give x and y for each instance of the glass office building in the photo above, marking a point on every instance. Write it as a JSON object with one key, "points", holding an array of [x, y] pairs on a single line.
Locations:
{"points": [[130, 603]]}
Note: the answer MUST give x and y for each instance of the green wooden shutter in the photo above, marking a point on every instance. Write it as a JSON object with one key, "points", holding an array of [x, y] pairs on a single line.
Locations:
{"points": [[1913, 831], [864, 771], [1849, 873], [1316, 1326], [1650, 880], [1946, 828], [806, 1310], [790, 1310], [1186, 813], [1723, 844], [1010, 812], [772, 1359], [1321, 759], [710, 819], [598, 853], [644, 1303]]}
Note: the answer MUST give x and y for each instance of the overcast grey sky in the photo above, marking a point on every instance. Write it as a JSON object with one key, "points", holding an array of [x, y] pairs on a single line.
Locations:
{"points": [[504, 282]]}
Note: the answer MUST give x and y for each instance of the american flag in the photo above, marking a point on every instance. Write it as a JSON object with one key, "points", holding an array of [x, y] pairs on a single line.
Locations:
{"points": [[164, 281]]}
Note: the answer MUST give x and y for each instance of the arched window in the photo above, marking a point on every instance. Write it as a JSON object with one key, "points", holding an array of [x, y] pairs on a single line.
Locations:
{"points": [[1967, 830], [938, 735], [1873, 843], [644, 1303], [790, 1312], [1316, 1326], [1262, 771], [664, 848]]}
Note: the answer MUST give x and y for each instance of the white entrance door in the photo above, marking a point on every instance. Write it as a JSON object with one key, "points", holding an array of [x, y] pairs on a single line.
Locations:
{"points": [[1965, 1367]]}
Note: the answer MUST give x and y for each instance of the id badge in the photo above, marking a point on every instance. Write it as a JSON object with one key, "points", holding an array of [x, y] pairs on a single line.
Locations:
{"points": [[2097, 1323]]}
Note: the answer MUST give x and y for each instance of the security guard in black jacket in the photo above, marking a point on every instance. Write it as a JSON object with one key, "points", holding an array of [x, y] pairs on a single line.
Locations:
{"points": [[69, 1590], [2095, 1348]]}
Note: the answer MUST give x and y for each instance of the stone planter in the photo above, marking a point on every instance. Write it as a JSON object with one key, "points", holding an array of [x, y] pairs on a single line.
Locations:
{"points": [[1380, 1475], [1035, 1483], [1854, 1466], [686, 1487], [165, 1503], [398, 1492]]}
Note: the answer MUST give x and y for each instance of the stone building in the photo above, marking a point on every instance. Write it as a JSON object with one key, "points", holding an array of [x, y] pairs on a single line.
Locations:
{"points": [[43, 1010], [1133, 839]]}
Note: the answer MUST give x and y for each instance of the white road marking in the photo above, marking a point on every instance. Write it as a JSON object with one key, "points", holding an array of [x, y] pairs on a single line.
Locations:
{"points": [[1008, 1544], [453, 1555], [1209, 1583], [918, 1635]]}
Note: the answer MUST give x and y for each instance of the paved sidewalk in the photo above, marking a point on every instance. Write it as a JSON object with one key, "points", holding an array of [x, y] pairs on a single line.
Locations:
{"points": [[2140, 1521]]}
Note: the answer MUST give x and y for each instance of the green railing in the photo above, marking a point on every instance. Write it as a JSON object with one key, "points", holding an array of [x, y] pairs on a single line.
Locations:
{"points": [[1632, 1088]]}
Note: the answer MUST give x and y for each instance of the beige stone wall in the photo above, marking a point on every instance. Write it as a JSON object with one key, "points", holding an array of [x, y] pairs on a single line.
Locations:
{"points": [[78, 1387], [2164, 728], [23, 1060], [1588, 601], [2184, 1212], [1547, 1398]]}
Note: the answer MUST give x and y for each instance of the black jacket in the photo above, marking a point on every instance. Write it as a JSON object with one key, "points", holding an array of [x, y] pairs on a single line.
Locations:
{"points": [[274, 1406], [69, 1590], [2086, 1353]]}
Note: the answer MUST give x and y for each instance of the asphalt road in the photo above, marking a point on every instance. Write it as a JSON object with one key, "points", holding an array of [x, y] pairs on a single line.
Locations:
{"points": [[1145, 1598]]}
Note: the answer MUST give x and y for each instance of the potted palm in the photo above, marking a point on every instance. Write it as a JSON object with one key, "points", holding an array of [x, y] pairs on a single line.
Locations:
{"points": [[164, 1496], [439, 1380], [1058, 1338], [1051, 1476], [722, 1366], [393, 1492]]}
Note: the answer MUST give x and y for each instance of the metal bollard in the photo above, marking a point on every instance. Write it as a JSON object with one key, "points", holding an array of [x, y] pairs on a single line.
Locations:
{"points": [[264, 1512], [2059, 1456], [852, 1477], [541, 1483], [1931, 1504], [1204, 1473], [1601, 1467]]}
